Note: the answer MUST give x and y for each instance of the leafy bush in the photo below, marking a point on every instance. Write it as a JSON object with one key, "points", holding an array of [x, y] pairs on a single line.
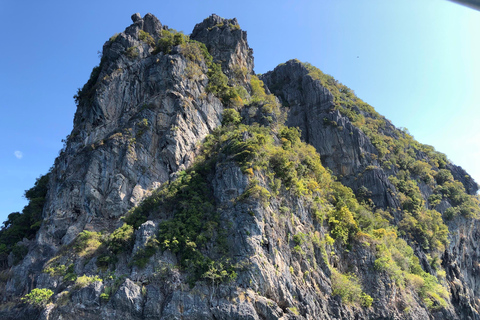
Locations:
{"points": [[349, 289], [87, 243], [195, 222], [427, 228], [132, 52], [443, 175], [146, 37], [139, 214], [299, 238], [143, 255], [121, 239], [196, 52], [70, 274], [105, 296], [84, 281], [169, 39], [217, 80], [56, 270], [342, 223], [231, 116], [88, 89], [432, 293], [257, 192], [38, 297]]}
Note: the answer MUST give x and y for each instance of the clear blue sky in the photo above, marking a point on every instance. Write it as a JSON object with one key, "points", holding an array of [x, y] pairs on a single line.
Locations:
{"points": [[416, 62]]}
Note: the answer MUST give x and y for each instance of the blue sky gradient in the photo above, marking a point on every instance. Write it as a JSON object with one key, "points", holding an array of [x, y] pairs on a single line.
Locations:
{"points": [[416, 62]]}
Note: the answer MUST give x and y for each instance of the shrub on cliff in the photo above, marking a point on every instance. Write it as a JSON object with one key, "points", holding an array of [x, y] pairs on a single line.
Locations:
{"points": [[38, 297]]}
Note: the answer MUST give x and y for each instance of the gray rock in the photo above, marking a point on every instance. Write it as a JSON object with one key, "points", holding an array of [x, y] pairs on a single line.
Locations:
{"points": [[128, 300], [88, 296], [146, 231], [226, 42], [139, 121], [136, 17]]}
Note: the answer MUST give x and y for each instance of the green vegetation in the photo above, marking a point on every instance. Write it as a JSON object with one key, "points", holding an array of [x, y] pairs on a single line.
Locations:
{"points": [[411, 161], [143, 255], [23, 225], [84, 281], [105, 296], [121, 240], [60, 270], [38, 297], [131, 52], [409, 164], [70, 274], [114, 37], [88, 89], [146, 37], [278, 163], [231, 116], [169, 39], [348, 287], [194, 226], [294, 310], [87, 243], [197, 54], [292, 166], [229, 23], [218, 85]]}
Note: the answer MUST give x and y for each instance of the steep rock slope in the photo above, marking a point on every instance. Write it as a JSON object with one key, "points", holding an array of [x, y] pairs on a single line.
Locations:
{"points": [[320, 107], [139, 119], [180, 194], [356, 144]]}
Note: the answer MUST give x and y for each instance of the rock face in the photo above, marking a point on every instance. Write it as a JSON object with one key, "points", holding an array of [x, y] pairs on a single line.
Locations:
{"points": [[227, 43], [140, 120], [344, 148], [141, 124]]}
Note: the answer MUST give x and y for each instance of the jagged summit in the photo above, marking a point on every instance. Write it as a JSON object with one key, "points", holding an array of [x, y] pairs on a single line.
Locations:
{"points": [[190, 188], [226, 42]]}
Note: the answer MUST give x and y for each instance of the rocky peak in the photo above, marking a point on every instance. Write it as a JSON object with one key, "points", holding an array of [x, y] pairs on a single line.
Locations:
{"points": [[247, 223], [142, 106], [149, 24], [227, 43]]}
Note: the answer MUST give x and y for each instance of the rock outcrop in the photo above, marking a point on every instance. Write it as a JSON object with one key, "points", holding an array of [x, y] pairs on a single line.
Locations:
{"points": [[149, 217]]}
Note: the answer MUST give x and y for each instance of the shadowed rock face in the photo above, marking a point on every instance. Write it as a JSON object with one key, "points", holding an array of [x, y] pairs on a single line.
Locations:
{"points": [[140, 120]]}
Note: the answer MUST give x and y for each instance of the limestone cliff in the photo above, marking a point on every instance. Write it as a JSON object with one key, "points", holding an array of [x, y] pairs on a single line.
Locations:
{"points": [[181, 194]]}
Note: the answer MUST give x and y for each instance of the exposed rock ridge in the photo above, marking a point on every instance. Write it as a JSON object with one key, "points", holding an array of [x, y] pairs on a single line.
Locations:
{"points": [[344, 148], [140, 121], [345, 151], [227, 43]]}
